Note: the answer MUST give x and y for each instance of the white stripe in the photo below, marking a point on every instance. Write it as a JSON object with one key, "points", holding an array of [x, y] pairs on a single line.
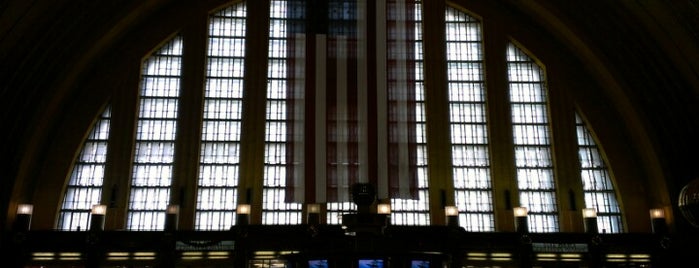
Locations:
{"points": [[381, 100], [299, 111], [320, 153]]}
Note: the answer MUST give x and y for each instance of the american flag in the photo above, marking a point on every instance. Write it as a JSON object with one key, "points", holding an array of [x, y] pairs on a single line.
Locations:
{"points": [[351, 99]]}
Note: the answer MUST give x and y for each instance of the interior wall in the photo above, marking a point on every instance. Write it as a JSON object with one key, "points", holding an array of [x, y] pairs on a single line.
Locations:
{"points": [[641, 105]]}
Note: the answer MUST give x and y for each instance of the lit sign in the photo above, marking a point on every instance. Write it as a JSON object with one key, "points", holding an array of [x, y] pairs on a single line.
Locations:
{"points": [[204, 245], [559, 247]]}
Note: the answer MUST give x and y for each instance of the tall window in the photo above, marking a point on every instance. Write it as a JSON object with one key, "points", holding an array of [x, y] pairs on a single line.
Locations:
{"points": [[274, 208], [597, 184], [405, 18], [85, 185], [529, 105], [223, 99], [155, 138], [467, 113]]}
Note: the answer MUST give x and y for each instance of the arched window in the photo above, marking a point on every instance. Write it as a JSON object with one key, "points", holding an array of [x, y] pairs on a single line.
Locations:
{"points": [[155, 138], [530, 124], [597, 183], [85, 184], [473, 191], [217, 187]]}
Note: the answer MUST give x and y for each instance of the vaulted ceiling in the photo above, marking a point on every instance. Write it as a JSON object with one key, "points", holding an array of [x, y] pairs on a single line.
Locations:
{"points": [[645, 54]]}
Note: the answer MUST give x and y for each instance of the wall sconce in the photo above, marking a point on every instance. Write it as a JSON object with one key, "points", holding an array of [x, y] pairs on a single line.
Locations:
{"points": [[657, 220], [243, 214], [97, 218], [172, 216], [313, 214], [23, 219], [521, 222], [590, 220], [452, 214]]}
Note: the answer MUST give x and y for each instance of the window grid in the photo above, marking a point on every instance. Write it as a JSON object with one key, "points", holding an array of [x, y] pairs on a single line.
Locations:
{"points": [[155, 138], [84, 188], [409, 211], [537, 190], [274, 208], [469, 129], [597, 184], [335, 210], [217, 186]]}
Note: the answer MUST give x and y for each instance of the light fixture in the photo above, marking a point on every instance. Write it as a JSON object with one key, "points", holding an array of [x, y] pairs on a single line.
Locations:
{"points": [[98, 214], [590, 220], [657, 220], [243, 214], [452, 214], [99, 210], [172, 215], [521, 224], [383, 209], [313, 213], [25, 209], [23, 219]]}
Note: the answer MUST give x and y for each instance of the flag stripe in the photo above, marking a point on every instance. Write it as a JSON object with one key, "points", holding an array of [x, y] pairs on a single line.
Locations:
{"points": [[381, 100], [296, 135], [363, 69], [320, 119]]}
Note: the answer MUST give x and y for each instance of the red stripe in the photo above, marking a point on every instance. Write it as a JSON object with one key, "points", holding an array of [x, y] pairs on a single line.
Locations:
{"points": [[373, 142], [331, 125], [352, 110], [292, 91]]}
